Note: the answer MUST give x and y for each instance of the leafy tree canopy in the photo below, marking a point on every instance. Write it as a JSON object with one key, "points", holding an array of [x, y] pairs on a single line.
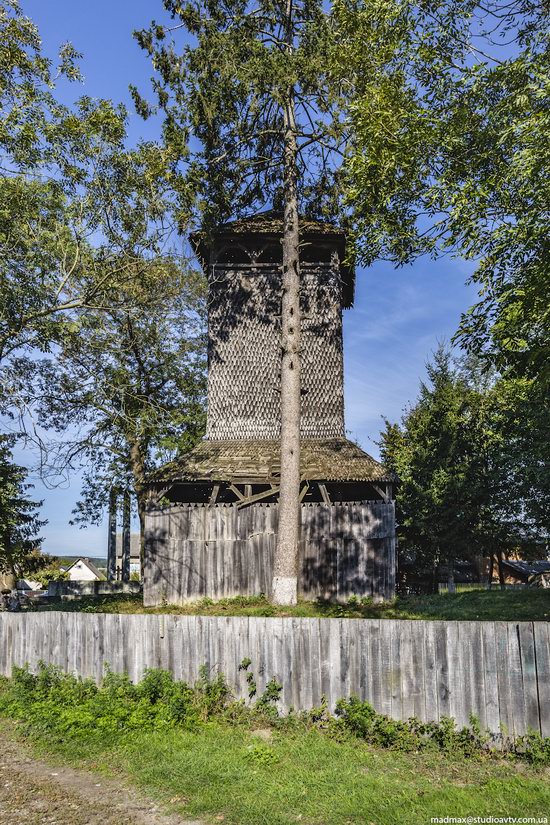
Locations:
{"points": [[78, 209], [100, 319], [223, 93], [450, 152], [127, 390], [472, 458]]}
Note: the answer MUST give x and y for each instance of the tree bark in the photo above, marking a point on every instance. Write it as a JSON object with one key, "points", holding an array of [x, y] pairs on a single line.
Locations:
{"points": [[285, 572], [111, 540], [501, 577], [451, 586], [138, 467]]}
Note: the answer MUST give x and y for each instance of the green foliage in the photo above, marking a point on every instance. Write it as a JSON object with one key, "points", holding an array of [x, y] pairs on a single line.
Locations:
{"points": [[244, 665], [261, 754], [270, 695], [132, 380], [449, 152], [52, 572], [66, 176], [19, 523], [534, 748], [223, 76], [412, 735], [472, 457], [64, 705], [101, 321]]}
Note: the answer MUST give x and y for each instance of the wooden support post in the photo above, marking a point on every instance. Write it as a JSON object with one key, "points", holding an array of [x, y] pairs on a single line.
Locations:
{"points": [[111, 537], [236, 492], [126, 537], [214, 494], [324, 493], [380, 491], [162, 491]]}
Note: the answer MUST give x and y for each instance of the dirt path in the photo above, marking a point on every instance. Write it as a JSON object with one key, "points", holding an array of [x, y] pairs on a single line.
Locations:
{"points": [[33, 792]]}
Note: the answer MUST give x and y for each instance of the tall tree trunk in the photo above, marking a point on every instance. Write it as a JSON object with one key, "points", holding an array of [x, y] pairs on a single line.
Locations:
{"points": [[285, 571], [501, 577], [126, 538], [111, 536], [137, 463]]}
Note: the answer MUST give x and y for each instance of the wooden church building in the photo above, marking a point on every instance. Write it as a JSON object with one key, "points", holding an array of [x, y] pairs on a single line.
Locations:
{"points": [[211, 523]]}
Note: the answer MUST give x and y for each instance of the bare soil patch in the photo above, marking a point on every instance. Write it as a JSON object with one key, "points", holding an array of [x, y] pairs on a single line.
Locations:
{"points": [[36, 792]]}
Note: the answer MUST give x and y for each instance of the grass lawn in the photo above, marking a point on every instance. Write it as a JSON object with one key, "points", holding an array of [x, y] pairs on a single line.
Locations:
{"points": [[496, 605], [226, 773]]}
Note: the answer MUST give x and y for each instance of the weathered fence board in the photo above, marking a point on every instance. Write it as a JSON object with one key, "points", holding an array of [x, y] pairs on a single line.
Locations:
{"points": [[498, 671], [194, 550]]}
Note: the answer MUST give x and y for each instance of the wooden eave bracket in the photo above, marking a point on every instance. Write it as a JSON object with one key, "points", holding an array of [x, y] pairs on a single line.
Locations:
{"points": [[244, 501], [384, 493], [162, 491], [324, 493]]}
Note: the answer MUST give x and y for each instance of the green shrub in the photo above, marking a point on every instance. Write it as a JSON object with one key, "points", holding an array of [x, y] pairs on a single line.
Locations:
{"points": [[534, 748], [60, 705]]}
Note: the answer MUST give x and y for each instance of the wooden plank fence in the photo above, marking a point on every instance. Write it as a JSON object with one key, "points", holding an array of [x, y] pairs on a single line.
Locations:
{"points": [[195, 551], [498, 671]]}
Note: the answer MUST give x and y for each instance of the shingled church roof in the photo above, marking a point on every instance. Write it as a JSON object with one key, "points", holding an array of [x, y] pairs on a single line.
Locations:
{"points": [[335, 459]]}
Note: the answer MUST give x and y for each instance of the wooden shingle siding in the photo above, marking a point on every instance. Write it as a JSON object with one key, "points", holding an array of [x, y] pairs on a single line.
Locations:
{"points": [[193, 551], [425, 669], [244, 352]]}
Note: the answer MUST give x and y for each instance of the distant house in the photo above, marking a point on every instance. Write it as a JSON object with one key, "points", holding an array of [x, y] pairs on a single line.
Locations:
{"points": [[83, 570], [519, 572]]}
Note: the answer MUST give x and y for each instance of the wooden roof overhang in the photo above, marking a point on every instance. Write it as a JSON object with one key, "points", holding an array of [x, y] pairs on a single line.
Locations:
{"points": [[258, 462], [270, 226]]}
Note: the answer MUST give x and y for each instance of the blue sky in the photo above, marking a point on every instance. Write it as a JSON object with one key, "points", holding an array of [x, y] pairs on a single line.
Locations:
{"points": [[399, 315]]}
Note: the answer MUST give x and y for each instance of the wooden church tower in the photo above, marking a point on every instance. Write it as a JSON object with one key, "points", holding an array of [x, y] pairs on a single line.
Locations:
{"points": [[212, 518]]}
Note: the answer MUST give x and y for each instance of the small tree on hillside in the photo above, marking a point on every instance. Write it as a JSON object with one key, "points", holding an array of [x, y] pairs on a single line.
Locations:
{"points": [[19, 522]]}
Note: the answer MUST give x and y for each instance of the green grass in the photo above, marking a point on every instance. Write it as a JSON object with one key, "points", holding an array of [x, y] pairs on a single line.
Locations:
{"points": [[196, 750], [494, 605], [308, 778]]}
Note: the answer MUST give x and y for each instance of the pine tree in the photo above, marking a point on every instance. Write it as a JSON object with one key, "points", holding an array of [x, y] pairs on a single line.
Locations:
{"points": [[19, 522]]}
